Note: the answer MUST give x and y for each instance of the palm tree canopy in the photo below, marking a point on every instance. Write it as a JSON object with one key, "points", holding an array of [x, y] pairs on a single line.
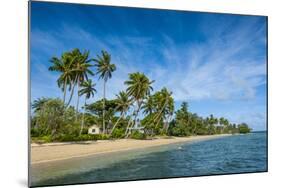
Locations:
{"points": [[88, 89], [139, 86], [81, 68], [71, 65], [64, 65], [123, 102], [104, 68], [149, 105], [38, 103]]}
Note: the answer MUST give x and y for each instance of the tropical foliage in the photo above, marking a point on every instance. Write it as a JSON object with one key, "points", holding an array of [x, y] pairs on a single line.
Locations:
{"points": [[136, 112]]}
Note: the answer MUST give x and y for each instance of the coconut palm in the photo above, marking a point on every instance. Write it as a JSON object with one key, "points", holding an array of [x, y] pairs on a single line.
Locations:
{"points": [[169, 111], [163, 98], [37, 104], [64, 65], [88, 89], [81, 71], [123, 104], [105, 70], [139, 87], [149, 105]]}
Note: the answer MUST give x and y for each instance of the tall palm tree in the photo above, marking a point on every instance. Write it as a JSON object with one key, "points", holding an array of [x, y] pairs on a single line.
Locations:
{"points": [[105, 70], [123, 105], [64, 65], [139, 87], [81, 71], [88, 89]]}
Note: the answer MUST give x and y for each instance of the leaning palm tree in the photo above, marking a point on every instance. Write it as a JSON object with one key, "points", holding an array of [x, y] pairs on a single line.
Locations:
{"points": [[149, 105], [170, 112], [163, 99], [139, 87], [105, 70], [123, 104], [88, 89]]}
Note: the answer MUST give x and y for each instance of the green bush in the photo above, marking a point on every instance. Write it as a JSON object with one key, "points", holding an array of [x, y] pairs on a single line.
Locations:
{"points": [[42, 139], [243, 128], [83, 137], [118, 133], [138, 135], [34, 132]]}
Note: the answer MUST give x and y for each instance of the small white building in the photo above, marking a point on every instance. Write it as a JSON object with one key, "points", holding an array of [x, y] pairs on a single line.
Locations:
{"points": [[94, 129]]}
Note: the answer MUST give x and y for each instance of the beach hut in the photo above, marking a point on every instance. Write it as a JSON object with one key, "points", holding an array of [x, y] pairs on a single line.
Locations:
{"points": [[94, 129]]}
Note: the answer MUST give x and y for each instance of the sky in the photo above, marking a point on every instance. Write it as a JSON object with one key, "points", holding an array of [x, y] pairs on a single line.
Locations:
{"points": [[215, 62]]}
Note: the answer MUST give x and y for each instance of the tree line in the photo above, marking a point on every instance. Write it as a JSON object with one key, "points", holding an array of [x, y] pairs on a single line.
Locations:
{"points": [[55, 119]]}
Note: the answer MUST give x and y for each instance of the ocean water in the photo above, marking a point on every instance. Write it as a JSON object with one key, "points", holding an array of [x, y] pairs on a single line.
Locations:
{"points": [[225, 155]]}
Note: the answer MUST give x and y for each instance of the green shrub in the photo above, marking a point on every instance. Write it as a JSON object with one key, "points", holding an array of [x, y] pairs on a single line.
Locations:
{"points": [[34, 132], [138, 135], [243, 128], [83, 137], [118, 133], [42, 139]]}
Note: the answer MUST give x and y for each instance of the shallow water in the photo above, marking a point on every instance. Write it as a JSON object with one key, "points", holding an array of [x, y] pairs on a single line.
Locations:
{"points": [[232, 154]]}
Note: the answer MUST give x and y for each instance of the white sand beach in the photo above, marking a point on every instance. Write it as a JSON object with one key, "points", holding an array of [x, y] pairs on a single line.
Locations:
{"points": [[41, 153]]}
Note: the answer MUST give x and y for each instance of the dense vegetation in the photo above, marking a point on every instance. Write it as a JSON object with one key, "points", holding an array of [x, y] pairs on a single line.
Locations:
{"points": [[56, 119]]}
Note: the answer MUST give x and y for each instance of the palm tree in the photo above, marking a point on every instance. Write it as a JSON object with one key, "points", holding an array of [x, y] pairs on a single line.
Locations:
{"points": [[169, 110], [64, 66], [139, 87], [163, 99], [81, 71], [105, 70], [88, 89], [38, 104], [123, 105], [149, 105]]}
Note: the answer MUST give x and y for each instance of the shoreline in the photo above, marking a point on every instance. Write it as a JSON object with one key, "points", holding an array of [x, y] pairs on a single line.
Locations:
{"points": [[43, 153]]}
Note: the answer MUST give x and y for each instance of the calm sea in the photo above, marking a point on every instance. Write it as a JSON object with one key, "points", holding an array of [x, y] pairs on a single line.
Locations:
{"points": [[232, 154]]}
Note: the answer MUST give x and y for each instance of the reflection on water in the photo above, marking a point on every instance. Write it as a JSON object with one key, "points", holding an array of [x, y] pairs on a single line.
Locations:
{"points": [[234, 154]]}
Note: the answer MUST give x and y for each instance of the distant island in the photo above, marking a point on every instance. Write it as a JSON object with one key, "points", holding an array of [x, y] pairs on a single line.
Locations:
{"points": [[138, 112]]}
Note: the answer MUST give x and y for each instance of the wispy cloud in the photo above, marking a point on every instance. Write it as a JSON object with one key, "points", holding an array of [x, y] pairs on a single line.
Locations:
{"points": [[212, 70]]}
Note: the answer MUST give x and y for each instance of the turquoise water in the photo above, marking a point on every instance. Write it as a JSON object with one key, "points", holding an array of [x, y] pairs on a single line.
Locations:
{"points": [[232, 154]]}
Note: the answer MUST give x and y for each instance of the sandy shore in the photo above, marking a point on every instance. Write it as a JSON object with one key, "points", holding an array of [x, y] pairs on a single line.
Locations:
{"points": [[60, 151]]}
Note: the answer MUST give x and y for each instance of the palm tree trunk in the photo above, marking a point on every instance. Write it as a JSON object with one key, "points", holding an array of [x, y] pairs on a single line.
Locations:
{"points": [[77, 104], [122, 114], [129, 123], [168, 121], [64, 91], [157, 122], [82, 124], [160, 113], [128, 126], [103, 111], [72, 91], [138, 110]]}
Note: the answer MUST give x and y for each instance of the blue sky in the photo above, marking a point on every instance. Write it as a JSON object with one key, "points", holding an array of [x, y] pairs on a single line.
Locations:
{"points": [[215, 62]]}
